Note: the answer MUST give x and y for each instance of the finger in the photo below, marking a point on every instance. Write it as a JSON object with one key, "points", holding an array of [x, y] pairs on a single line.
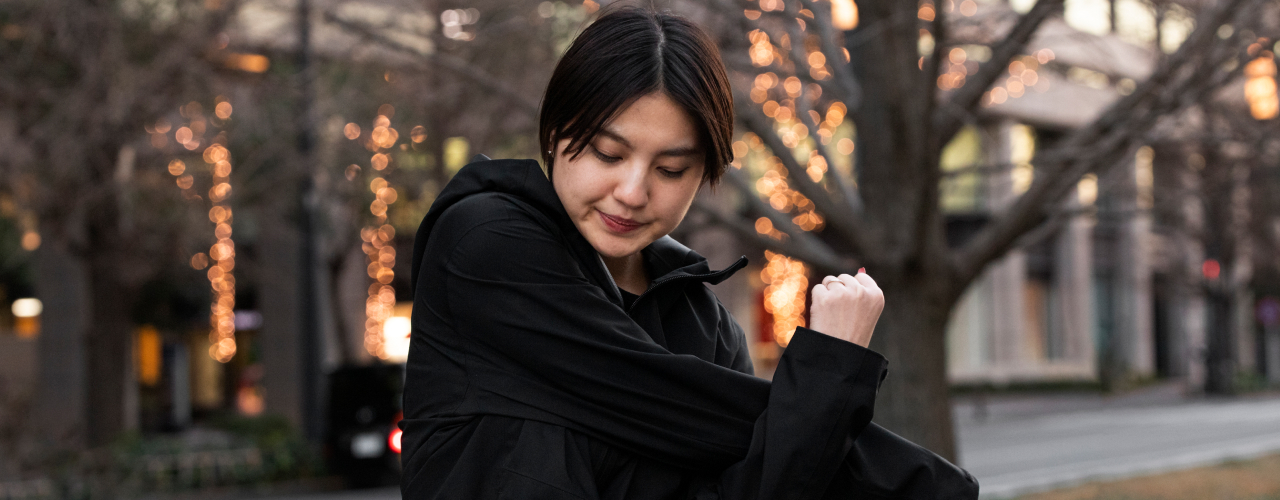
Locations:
{"points": [[866, 281], [862, 270], [829, 279], [819, 291], [850, 281]]}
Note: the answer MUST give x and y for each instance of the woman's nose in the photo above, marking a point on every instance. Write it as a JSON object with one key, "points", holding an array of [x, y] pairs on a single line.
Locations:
{"points": [[632, 188]]}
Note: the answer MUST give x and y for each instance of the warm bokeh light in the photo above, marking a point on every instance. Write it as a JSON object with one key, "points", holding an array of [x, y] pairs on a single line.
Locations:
{"points": [[395, 338], [253, 63], [223, 110], [378, 246], [30, 241], [786, 282], [844, 14], [926, 12], [220, 260], [27, 308], [1260, 86]]}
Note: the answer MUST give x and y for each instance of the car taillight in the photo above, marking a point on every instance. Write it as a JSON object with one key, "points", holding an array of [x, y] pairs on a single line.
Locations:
{"points": [[393, 439]]}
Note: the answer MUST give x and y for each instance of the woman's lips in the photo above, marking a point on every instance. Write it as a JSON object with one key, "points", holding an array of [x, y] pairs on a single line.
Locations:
{"points": [[618, 224]]}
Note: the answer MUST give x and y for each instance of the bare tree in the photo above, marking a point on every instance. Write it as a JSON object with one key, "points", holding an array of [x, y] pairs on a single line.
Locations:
{"points": [[80, 80], [887, 216]]}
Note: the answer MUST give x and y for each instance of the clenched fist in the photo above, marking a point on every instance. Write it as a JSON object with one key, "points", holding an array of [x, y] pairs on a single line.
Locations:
{"points": [[847, 307]]}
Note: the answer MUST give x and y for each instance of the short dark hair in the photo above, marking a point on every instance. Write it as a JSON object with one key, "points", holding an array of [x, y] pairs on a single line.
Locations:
{"points": [[629, 53]]}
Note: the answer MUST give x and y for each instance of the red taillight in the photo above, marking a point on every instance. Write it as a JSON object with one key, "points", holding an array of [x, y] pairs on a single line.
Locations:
{"points": [[393, 439]]}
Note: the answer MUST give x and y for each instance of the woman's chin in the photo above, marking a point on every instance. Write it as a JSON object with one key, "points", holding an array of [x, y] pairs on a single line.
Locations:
{"points": [[616, 247]]}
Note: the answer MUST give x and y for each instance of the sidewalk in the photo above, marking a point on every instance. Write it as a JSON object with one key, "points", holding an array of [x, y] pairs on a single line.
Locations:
{"points": [[1022, 444]]}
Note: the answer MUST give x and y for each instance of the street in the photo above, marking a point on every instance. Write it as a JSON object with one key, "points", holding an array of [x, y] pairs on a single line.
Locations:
{"points": [[1017, 449], [1034, 443]]}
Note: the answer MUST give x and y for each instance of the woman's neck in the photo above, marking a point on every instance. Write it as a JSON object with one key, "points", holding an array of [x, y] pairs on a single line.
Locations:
{"points": [[628, 272]]}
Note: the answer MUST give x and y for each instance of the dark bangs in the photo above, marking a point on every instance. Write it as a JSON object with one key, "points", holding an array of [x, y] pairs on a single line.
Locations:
{"points": [[627, 54]]}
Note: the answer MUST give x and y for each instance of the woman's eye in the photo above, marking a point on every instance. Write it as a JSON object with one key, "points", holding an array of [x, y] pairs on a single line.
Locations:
{"points": [[604, 157], [674, 174]]}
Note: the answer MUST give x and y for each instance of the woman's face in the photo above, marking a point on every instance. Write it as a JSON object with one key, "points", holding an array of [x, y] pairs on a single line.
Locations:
{"points": [[635, 181]]}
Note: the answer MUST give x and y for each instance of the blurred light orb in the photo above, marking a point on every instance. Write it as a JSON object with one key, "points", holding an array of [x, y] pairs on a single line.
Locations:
{"points": [[199, 261], [844, 14], [395, 338], [30, 241], [27, 308], [223, 110], [379, 161]]}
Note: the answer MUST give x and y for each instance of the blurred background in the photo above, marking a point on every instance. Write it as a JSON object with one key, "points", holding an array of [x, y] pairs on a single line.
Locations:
{"points": [[1073, 206]]}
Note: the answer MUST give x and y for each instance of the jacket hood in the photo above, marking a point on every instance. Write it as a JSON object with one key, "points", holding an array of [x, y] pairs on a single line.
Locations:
{"points": [[666, 259]]}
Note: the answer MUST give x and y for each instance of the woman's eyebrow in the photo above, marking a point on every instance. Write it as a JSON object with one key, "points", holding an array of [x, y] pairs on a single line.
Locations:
{"points": [[685, 151]]}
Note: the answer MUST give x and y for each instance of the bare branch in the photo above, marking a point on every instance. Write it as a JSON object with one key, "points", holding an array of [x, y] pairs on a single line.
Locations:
{"points": [[950, 115], [822, 262], [839, 216], [447, 61], [780, 220], [844, 77], [1181, 79]]}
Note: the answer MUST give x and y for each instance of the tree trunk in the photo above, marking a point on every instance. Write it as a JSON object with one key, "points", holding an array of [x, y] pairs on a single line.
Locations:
{"points": [[109, 339], [915, 399]]}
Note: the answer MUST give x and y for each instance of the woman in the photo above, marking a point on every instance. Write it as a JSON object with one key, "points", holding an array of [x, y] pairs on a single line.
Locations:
{"points": [[564, 347]]}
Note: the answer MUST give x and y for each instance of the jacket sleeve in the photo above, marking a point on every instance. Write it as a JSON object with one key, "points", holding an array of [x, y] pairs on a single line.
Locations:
{"points": [[882, 465], [822, 398], [877, 463], [514, 288]]}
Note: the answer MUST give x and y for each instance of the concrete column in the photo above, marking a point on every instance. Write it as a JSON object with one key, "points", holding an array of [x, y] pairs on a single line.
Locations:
{"points": [[1074, 280], [1190, 312], [1124, 213], [1134, 316], [969, 341], [277, 283], [60, 379], [1007, 276], [1008, 312]]}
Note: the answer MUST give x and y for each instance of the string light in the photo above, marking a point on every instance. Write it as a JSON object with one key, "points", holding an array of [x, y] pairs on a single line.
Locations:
{"points": [[222, 255], [379, 251], [220, 259], [784, 295], [1023, 74]]}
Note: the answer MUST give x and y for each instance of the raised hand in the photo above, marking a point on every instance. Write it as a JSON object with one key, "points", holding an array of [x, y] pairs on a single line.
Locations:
{"points": [[847, 307]]}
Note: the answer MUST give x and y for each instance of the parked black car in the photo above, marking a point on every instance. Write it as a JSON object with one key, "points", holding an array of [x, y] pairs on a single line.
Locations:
{"points": [[363, 441]]}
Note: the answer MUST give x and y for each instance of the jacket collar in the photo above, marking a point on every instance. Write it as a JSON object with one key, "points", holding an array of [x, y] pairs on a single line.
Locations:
{"points": [[666, 259]]}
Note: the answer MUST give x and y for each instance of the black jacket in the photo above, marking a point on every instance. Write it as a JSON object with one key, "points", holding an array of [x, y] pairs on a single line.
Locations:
{"points": [[528, 379]]}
